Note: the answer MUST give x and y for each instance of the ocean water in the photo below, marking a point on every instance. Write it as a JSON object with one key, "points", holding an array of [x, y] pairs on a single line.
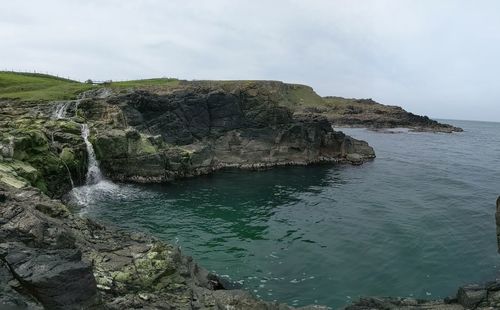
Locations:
{"points": [[417, 221]]}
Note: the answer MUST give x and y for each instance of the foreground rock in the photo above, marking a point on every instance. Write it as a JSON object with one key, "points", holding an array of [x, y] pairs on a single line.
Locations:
{"points": [[54, 260]]}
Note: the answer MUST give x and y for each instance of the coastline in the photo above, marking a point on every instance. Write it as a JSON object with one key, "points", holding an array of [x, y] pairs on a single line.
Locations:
{"points": [[42, 147]]}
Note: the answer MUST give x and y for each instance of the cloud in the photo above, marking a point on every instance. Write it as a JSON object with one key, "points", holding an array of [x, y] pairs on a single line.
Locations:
{"points": [[433, 57]]}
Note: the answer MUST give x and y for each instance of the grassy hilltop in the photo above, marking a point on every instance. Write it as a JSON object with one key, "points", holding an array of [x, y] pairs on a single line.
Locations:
{"points": [[33, 87], [44, 87]]}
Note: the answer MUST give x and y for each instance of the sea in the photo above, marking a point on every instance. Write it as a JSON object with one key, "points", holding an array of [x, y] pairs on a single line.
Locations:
{"points": [[417, 221]]}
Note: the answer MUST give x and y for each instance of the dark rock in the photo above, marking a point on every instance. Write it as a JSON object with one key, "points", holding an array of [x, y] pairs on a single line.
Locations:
{"points": [[471, 295], [344, 112], [45, 272], [497, 220]]}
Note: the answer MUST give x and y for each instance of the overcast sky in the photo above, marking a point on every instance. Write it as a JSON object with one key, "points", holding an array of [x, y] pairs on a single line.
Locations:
{"points": [[435, 57]]}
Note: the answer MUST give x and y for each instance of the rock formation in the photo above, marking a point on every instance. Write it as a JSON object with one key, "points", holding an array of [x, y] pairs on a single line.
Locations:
{"points": [[152, 136], [368, 113]]}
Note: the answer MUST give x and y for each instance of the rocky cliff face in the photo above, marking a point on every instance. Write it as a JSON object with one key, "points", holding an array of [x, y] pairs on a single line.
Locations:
{"points": [[156, 135], [153, 136]]}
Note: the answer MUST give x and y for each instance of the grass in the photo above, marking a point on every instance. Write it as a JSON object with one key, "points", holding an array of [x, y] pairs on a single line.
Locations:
{"points": [[37, 87], [303, 96], [144, 83]]}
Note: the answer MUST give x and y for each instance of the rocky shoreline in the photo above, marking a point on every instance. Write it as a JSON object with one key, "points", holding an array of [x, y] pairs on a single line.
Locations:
{"points": [[51, 258]]}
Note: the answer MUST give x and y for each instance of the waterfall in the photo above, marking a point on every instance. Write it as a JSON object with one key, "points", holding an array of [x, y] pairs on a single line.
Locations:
{"points": [[60, 111], [94, 174]]}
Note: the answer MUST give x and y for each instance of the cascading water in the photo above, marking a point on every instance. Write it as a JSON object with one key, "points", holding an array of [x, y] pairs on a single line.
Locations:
{"points": [[94, 174], [96, 186], [60, 111]]}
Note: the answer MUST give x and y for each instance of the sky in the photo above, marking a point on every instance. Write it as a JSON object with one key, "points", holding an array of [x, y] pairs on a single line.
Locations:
{"points": [[437, 58]]}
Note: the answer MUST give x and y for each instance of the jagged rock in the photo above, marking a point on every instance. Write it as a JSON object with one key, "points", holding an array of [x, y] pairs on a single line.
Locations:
{"points": [[57, 278], [9, 297], [471, 296]]}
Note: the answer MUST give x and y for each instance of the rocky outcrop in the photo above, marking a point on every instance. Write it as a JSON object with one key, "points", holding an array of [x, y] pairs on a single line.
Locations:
{"points": [[343, 112], [37, 150], [150, 136]]}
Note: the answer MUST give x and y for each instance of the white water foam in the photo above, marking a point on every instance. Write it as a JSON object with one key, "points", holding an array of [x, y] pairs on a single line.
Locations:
{"points": [[95, 184]]}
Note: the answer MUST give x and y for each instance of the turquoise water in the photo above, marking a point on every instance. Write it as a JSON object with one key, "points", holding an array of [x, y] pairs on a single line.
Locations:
{"points": [[417, 221]]}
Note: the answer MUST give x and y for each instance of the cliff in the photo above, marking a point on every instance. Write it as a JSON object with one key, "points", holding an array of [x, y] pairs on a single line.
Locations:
{"points": [[158, 131], [154, 136]]}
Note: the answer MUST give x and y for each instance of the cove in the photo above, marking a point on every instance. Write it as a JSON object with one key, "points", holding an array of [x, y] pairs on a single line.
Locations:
{"points": [[417, 221]]}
